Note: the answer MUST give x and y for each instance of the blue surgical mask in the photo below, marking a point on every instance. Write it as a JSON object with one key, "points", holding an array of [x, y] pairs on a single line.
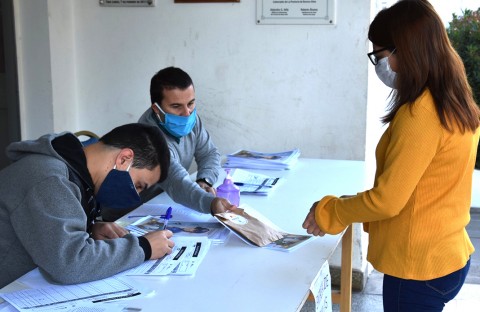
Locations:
{"points": [[178, 126], [118, 191], [385, 73]]}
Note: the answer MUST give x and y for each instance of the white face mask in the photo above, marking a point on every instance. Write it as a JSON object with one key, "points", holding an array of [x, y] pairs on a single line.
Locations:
{"points": [[385, 73]]}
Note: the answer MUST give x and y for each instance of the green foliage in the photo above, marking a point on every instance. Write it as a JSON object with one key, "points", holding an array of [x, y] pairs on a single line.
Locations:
{"points": [[464, 34]]}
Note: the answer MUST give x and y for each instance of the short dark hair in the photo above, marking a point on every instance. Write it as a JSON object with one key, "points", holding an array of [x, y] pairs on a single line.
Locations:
{"points": [[168, 78], [148, 145]]}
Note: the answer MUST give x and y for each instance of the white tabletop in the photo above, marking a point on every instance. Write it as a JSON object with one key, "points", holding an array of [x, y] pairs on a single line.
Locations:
{"points": [[237, 277]]}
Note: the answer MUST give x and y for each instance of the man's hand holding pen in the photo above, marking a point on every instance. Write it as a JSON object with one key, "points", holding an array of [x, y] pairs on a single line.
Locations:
{"points": [[160, 241]]}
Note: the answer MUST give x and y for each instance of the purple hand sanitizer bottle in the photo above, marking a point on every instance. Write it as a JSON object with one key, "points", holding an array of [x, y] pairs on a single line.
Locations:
{"points": [[229, 190]]}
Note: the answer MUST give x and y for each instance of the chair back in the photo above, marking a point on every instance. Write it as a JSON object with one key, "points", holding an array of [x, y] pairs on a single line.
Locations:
{"points": [[86, 137]]}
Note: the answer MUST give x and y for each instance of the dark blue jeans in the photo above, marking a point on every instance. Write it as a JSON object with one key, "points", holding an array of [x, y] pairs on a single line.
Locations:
{"points": [[401, 295]]}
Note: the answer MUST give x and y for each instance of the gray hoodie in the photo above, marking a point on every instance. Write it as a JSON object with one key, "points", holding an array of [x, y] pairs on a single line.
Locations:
{"points": [[43, 224]]}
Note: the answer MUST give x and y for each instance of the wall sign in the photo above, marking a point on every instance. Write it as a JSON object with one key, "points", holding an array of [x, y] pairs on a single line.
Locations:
{"points": [[320, 12], [127, 3], [199, 1]]}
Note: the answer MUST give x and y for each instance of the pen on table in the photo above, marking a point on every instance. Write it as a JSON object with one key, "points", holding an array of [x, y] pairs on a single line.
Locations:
{"points": [[118, 297], [167, 217], [141, 216]]}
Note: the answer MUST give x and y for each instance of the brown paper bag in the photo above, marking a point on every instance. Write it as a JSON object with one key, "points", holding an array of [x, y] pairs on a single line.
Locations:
{"points": [[248, 227]]}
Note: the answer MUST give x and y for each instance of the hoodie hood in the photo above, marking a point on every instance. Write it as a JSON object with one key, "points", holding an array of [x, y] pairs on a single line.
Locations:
{"points": [[43, 146]]}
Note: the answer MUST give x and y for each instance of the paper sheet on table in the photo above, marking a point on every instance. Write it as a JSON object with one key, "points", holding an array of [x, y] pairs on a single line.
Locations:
{"points": [[7, 307], [245, 177], [321, 289], [185, 259], [179, 213], [72, 297], [215, 231]]}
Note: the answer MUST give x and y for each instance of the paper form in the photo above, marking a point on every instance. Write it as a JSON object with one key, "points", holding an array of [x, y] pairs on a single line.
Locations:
{"points": [[179, 213], [66, 297], [185, 258], [322, 290], [249, 178], [214, 231], [193, 257]]}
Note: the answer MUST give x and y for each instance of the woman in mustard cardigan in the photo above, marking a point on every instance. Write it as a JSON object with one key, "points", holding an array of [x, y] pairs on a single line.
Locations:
{"points": [[419, 206]]}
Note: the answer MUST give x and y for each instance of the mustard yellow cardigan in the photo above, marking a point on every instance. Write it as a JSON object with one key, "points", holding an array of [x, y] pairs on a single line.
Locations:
{"points": [[418, 208]]}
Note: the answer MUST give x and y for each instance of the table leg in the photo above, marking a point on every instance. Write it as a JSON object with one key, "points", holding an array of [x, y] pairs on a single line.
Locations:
{"points": [[344, 297]]}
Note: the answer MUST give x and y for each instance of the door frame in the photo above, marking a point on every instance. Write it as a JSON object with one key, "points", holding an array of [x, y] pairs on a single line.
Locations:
{"points": [[11, 72]]}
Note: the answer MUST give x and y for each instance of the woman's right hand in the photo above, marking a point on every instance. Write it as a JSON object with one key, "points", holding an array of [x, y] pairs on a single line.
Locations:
{"points": [[160, 243]]}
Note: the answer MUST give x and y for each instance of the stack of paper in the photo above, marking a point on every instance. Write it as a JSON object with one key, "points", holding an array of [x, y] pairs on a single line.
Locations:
{"points": [[258, 160], [253, 183]]}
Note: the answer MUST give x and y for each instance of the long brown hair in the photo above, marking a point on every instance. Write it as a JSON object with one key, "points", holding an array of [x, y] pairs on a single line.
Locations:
{"points": [[426, 60]]}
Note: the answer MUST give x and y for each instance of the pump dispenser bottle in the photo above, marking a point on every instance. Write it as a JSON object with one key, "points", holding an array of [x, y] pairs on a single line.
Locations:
{"points": [[229, 190]]}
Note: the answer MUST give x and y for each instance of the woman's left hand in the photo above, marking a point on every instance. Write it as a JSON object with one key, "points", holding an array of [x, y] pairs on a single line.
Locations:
{"points": [[310, 224]]}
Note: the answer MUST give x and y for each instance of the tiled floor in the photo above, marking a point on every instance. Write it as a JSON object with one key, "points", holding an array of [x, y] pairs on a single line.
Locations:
{"points": [[370, 299]]}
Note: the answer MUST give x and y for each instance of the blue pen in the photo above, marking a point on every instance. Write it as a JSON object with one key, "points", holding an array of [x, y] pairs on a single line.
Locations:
{"points": [[167, 217], [142, 216]]}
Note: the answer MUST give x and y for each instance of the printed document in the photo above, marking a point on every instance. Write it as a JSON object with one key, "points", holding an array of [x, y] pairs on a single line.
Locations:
{"points": [[72, 297], [253, 183], [185, 259], [184, 222]]}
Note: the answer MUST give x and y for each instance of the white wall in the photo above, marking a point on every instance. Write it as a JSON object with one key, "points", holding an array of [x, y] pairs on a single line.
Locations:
{"points": [[261, 87], [34, 70], [265, 87]]}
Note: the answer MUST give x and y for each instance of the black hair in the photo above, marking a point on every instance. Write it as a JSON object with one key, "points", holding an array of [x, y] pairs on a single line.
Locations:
{"points": [[147, 142], [168, 78]]}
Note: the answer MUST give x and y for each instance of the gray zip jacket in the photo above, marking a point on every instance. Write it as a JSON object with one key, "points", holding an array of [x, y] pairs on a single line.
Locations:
{"points": [[196, 145], [43, 224]]}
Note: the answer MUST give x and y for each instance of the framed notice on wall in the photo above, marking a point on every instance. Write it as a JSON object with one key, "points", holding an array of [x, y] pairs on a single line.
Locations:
{"points": [[320, 12]]}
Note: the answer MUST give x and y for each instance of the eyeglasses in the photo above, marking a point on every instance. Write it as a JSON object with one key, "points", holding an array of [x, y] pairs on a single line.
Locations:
{"points": [[372, 55]]}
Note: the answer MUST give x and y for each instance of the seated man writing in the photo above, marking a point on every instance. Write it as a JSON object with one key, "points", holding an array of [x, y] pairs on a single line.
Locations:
{"points": [[49, 203]]}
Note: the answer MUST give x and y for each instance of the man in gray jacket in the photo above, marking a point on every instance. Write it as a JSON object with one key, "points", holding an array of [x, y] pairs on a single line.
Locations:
{"points": [[49, 200], [173, 111]]}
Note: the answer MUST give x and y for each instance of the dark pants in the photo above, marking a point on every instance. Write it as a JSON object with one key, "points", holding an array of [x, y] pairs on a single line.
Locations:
{"points": [[412, 296]]}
